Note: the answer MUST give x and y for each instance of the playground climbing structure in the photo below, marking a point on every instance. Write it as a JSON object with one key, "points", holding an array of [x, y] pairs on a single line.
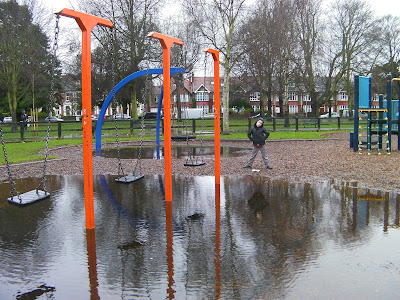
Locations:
{"points": [[373, 125]]}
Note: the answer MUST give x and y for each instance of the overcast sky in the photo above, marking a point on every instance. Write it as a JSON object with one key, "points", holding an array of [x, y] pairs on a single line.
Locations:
{"points": [[381, 7]]}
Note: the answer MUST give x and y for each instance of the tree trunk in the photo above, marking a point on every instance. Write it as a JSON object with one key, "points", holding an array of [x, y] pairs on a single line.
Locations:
{"points": [[178, 96], [225, 96], [262, 101], [134, 102]]}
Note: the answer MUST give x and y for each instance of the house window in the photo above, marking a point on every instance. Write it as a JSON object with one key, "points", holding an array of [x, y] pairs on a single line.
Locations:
{"points": [[293, 109], [292, 96], [255, 96], [201, 96], [307, 108], [203, 107], [184, 98], [306, 97], [343, 96]]}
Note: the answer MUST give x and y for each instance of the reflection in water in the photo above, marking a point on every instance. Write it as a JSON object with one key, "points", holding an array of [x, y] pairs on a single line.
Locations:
{"points": [[249, 238], [36, 293], [170, 257], [149, 152], [217, 260], [92, 263]]}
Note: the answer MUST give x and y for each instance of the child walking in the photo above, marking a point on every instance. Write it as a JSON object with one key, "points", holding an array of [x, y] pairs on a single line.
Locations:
{"points": [[258, 135]]}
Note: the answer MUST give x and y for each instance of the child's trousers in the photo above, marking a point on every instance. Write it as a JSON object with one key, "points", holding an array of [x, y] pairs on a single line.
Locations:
{"points": [[263, 150]]}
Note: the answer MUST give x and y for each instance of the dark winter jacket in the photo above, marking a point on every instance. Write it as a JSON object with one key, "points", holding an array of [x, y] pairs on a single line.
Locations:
{"points": [[258, 135]]}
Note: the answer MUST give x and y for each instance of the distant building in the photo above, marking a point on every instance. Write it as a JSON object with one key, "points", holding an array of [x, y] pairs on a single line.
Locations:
{"points": [[198, 92]]}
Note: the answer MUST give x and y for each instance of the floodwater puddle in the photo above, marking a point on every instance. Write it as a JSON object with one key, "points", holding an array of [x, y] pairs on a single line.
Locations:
{"points": [[177, 151], [249, 238]]}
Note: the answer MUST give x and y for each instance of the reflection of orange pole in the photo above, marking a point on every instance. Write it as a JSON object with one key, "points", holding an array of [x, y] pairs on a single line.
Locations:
{"points": [[215, 54], [166, 43], [92, 263], [170, 257], [217, 260], [397, 218], [86, 24]]}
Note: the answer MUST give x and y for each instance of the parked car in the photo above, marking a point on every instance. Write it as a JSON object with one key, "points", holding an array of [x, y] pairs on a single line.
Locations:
{"points": [[122, 117], [149, 115], [54, 119], [333, 115], [96, 117], [7, 120], [259, 115]]}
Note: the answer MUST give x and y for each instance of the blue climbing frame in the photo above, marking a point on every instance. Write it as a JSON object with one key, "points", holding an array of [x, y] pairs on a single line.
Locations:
{"points": [[363, 103], [110, 96], [394, 108]]}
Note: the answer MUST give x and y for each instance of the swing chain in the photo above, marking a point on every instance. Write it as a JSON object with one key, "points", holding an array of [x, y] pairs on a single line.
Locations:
{"points": [[50, 106], [187, 141], [201, 136], [139, 161], [13, 191], [202, 115], [114, 109]]}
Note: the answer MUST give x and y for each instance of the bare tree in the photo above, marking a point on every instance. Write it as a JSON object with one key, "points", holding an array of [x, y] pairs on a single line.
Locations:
{"points": [[219, 22], [350, 38], [259, 62], [127, 46], [390, 28], [285, 12], [186, 56], [388, 62], [308, 30]]}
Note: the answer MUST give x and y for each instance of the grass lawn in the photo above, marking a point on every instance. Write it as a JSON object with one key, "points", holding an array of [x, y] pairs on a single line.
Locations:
{"points": [[33, 151]]}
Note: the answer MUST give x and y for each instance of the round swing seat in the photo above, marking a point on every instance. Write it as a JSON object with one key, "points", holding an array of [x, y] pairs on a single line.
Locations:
{"points": [[28, 197], [129, 178], [194, 164], [182, 137]]}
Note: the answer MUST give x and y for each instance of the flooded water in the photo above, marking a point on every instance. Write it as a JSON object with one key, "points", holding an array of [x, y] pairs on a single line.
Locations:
{"points": [[151, 152], [260, 239]]}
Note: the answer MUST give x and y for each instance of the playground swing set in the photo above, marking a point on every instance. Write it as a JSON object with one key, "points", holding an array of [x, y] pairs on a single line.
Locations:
{"points": [[86, 23], [192, 160], [36, 194]]}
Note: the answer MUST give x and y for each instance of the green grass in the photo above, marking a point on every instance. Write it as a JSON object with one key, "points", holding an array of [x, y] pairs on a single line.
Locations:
{"points": [[33, 151], [285, 135]]}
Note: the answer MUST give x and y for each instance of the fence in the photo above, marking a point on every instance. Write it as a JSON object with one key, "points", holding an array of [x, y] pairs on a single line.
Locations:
{"points": [[36, 131]]}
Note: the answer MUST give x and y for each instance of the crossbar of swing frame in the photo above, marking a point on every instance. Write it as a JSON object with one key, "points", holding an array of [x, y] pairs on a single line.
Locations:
{"points": [[119, 85]]}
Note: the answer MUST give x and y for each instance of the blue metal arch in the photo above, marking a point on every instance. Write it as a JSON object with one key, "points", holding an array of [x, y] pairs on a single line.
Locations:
{"points": [[110, 97]]}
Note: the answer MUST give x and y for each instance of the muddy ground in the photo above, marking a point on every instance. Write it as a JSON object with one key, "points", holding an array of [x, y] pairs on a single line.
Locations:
{"points": [[306, 160]]}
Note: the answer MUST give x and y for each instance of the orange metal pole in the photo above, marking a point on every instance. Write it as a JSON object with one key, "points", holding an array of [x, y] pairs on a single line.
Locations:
{"points": [[92, 263], [86, 23], [166, 43], [215, 55], [170, 249]]}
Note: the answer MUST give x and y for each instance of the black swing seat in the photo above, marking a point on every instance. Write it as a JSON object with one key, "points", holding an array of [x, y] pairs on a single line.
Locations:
{"points": [[182, 137], [194, 163], [28, 197], [129, 178]]}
